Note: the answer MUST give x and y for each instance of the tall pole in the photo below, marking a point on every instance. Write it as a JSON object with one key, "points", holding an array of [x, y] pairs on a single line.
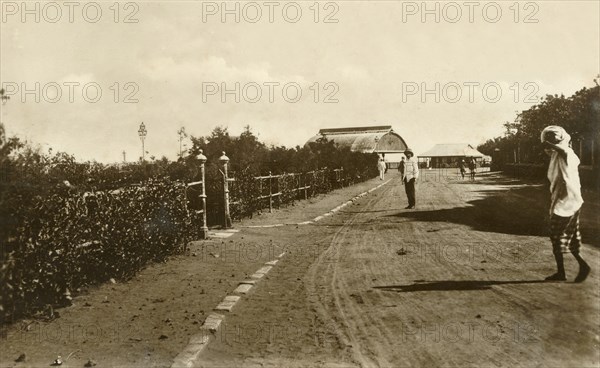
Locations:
{"points": [[142, 132], [204, 228], [227, 218], [182, 135]]}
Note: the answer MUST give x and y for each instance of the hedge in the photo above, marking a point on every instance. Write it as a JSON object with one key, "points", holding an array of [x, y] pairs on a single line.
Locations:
{"points": [[66, 224], [71, 238]]}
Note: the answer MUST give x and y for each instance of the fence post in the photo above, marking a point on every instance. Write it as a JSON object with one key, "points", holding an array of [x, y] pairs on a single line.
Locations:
{"points": [[304, 185], [270, 195], [279, 188], [224, 160], [204, 228], [260, 193]]}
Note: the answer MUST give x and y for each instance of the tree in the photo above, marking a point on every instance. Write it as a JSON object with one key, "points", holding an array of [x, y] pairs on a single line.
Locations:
{"points": [[248, 152], [579, 114]]}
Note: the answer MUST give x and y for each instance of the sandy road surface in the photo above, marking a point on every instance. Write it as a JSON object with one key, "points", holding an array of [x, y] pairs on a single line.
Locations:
{"points": [[148, 320], [456, 282]]}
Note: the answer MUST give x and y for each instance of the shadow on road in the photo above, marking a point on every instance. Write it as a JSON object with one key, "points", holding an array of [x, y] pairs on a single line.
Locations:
{"points": [[342, 211], [515, 210], [450, 285], [498, 211], [496, 178]]}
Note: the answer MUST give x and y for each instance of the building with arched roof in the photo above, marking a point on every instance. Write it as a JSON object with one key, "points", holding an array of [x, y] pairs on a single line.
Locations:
{"points": [[373, 139]]}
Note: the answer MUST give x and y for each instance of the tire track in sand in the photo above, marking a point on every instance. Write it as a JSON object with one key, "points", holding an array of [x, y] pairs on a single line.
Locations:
{"points": [[511, 322], [327, 265]]}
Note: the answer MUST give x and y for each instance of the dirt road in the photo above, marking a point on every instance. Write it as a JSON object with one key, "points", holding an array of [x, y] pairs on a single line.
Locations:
{"points": [[455, 282]]}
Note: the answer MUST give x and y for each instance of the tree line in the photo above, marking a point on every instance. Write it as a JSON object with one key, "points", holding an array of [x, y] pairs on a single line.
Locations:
{"points": [[579, 114]]}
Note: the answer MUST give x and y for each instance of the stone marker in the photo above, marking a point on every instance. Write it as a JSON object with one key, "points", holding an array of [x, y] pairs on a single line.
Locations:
{"points": [[212, 322], [228, 303], [264, 269], [191, 352], [243, 288]]}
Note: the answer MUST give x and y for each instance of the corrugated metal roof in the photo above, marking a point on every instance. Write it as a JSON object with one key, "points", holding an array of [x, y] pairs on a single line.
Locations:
{"points": [[357, 130], [452, 149], [363, 139]]}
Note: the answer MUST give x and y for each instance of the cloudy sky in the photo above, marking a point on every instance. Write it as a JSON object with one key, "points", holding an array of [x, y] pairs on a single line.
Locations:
{"points": [[448, 73]]}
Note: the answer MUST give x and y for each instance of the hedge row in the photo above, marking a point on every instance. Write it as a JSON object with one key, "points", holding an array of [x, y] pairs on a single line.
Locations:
{"points": [[65, 224], [71, 238]]}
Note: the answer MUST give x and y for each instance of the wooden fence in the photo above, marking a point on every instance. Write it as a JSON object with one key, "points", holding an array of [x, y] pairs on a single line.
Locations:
{"points": [[249, 195], [274, 190]]}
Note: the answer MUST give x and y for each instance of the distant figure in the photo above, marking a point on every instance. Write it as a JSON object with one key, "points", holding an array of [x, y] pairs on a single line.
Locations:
{"points": [[381, 167], [409, 177], [462, 165], [401, 169], [472, 168], [566, 200]]}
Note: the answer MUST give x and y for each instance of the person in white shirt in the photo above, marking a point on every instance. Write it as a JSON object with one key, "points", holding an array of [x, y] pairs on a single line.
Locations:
{"points": [[566, 200], [410, 176], [381, 167]]}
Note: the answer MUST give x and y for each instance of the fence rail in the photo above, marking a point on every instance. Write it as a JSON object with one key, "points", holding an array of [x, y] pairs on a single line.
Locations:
{"points": [[300, 184], [247, 195]]}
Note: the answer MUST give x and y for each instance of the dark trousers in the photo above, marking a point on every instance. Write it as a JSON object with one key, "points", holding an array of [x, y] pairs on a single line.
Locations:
{"points": [[409, 186]]}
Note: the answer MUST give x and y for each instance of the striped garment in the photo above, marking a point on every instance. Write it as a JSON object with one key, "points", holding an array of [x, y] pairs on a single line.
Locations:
{"points": [[564, 233]]}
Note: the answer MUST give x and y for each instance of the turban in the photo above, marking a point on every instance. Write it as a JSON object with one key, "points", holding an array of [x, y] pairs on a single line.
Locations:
{"points": [[556, 135]]}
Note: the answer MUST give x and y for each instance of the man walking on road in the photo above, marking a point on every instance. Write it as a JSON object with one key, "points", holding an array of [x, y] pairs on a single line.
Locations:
{"points": [[463, 168], [401, 169], [472, 168], [566, 200], [410, 176]]}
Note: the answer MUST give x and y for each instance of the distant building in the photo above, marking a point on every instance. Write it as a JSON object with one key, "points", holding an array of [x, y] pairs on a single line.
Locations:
{"points": [[373, 139], [449, 155]]}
